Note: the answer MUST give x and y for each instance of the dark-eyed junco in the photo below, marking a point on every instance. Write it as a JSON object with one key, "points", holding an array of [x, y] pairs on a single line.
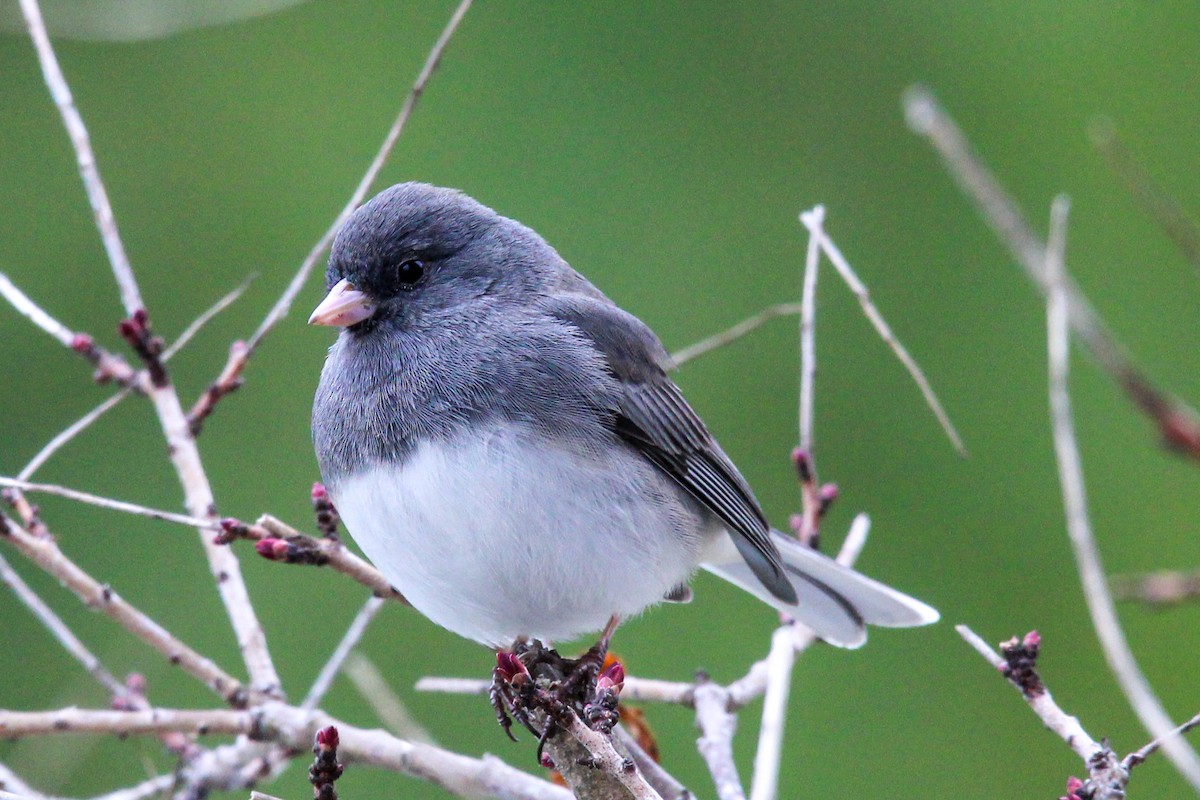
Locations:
{"points": [[505, 445]]}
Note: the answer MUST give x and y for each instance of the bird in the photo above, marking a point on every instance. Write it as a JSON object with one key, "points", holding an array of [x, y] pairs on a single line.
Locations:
{"points": [[506, 445]]}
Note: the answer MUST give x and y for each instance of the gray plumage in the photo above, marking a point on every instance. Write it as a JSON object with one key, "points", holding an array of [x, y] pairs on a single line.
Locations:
{"points": [[505, 444]]}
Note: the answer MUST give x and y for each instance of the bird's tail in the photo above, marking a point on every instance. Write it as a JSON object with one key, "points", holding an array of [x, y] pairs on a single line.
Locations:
{"points": [[835, 601]]}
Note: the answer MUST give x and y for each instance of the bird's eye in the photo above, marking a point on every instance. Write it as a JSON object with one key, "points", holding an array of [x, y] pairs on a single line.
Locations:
{"points": [[408, 272]]}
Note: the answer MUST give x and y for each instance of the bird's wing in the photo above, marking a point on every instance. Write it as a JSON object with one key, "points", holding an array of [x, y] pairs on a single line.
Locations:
{"points": [[654, 417]]}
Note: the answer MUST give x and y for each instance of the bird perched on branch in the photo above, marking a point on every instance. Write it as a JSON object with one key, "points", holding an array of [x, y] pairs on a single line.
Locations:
{"points": [[506, 446]]}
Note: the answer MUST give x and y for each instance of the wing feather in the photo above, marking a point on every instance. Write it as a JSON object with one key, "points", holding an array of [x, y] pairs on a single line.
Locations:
{"points": [[654, 417]]}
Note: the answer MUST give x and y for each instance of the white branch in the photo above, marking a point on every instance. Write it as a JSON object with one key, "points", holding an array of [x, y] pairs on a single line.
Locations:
{"points": [[45, 553], [733, 333], [59, 629], [293, 728], [717, 726], [181, 446], [860, 291], [22, 303], [109, 503], [106, 223], [808, 333], [350, 639], [284, 304], [767, 758], [1057, 721], [1087, 555]]}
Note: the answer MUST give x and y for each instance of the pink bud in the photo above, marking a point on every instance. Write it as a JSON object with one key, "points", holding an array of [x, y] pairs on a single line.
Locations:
{"points": [[319, 492], [508, 666], [82, 343], [1033, 640], [802, 461], [612, 679], [271, 548], [327, 738]]}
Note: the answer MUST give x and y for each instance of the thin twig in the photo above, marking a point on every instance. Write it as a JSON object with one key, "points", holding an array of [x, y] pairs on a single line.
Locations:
{"points": [[45, 553], [1177, 423], [300, 548], [84, 422], [59, 630], [1140, 755], [733, 333], [284, 304], [69, 433], [1170, 216], [109, 366], [106, 223], [1087, 555], [196, 325], [883, 329], [386, 704], [109, 503], [349, 640], [808, 336], [181, 446], [25, 305], [1065, 726]]}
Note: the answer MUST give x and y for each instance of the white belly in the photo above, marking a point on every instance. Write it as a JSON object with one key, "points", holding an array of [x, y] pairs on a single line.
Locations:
{"points": [[506, 536]]}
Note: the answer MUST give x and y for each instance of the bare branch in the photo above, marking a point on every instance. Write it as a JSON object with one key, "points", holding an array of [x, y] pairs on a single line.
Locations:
{"points": [[106, 224], [109, 366], [109, 503], [349, 640], [605, 757], [882, 328], [808, 335], [45, 553], [196, 325], [666, 784], [23, 304], [80, 425], [181, 446], [718, 725], [69, 433], [279, 541], [284, 304], [1062, 724], [1087, 555], [1139, 756], [294, 729], [59, 629], [390, 709], [733, 333], [1170, 216], [1177, 423]]}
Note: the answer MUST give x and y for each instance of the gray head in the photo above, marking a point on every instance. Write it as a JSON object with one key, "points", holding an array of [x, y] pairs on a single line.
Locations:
{"points": [[416, 250]]}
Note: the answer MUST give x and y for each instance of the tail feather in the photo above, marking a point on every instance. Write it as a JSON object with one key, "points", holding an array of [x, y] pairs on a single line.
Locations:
{"points": [[835, 601]]}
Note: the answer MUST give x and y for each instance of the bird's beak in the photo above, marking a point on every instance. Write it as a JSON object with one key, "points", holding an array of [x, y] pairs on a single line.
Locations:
{"points": [[342, 307]]}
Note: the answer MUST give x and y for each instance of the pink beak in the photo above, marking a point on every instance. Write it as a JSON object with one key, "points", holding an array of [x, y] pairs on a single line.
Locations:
{"points": [[342, 307]]}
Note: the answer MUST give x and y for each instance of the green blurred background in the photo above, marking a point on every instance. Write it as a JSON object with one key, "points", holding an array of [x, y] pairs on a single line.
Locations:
{"points": [[665, 150]]}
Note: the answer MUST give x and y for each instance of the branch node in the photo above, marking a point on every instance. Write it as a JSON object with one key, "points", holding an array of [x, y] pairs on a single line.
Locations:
{"points": [[135, 330], [1020, 663]]}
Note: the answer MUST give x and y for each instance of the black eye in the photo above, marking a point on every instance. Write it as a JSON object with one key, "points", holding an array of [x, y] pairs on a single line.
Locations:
{"points": [[408, 272]]}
